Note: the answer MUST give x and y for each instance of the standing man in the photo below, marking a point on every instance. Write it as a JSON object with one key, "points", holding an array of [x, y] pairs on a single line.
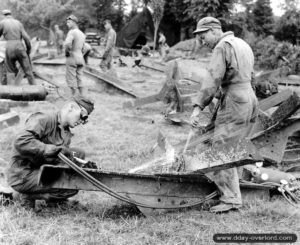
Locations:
{"points": [[231, 69], [59, 39], [74, 56], [161, 43], [39, 142], [110, 42], [14, 33]]}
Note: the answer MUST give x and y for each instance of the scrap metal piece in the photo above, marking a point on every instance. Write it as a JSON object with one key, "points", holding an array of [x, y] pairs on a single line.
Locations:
{"points": [[112, 81], [60, 62], [24, 93], [141, 101], [159, 67], [274, 100], [171, 190], [271, 143], [4, 109], [291, 160], [46, 78], [184, 93], [9, 119]]}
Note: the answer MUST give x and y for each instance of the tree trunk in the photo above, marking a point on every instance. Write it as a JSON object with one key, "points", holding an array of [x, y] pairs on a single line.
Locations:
{"points": [[156, 25]]}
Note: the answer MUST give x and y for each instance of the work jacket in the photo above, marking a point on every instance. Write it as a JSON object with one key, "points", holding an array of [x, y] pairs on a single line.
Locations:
{"points": [[74, 46], [13, 32], [35, 144], [231, 70], [110, 42]]}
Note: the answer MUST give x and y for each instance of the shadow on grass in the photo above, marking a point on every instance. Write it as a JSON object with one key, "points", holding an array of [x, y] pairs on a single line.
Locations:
{"points": [[122, 211]]}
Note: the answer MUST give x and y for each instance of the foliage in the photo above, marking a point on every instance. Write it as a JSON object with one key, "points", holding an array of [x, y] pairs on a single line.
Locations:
{"points": [[263, 18], [290, 5], [112, 10], [268, 51], [174, 12], [198, 9], [36, 13], [288, 27]]}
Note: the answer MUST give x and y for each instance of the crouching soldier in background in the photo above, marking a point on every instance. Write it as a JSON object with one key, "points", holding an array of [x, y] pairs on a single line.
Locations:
{"points": [[38, 143]]}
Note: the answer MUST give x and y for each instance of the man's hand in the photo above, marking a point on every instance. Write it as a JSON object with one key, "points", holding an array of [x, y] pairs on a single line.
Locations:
{"points": [[195, 116], [67, 53], [66, 151], [52, 151]]}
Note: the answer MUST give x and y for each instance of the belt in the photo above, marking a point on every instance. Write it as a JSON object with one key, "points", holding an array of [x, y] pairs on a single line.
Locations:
{"points": [[245, 85]]}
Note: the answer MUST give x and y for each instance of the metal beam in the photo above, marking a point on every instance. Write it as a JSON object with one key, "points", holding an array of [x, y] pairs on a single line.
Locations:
{"points": [[152, 190], [153, 66], [126, 183], [99, 76]]}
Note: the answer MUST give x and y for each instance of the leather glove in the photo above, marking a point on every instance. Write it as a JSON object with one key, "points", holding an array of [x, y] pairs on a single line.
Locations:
{"points": [[52, 151], [90, 164], [67, 53], [66, 151]]}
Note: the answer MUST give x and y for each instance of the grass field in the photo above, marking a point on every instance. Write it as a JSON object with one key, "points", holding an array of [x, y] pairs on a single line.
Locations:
{"points": [[119, 140]]}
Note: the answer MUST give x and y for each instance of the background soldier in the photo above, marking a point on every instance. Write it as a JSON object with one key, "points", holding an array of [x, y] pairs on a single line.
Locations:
{"points": [[59, 39], [110, 42], [13, 32], [74, 45]]}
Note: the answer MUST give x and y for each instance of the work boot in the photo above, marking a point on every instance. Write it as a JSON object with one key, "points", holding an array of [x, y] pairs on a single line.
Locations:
{"points": [[63, 204], [224, 207], [24, 200]]}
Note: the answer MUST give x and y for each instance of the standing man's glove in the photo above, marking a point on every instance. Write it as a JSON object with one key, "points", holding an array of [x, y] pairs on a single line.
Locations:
{"points": [[105, 54], [195, 117], [67, 53]]}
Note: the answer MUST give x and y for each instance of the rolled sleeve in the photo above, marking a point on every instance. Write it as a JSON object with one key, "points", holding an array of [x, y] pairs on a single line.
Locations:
{"points": [[28, 141]]}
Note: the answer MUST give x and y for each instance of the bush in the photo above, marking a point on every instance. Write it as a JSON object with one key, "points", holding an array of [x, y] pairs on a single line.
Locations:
{"points": [[268, 53]]}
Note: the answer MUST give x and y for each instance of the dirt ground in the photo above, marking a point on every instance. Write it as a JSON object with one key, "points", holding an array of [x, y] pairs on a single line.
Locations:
{"points": [[118, 140]]}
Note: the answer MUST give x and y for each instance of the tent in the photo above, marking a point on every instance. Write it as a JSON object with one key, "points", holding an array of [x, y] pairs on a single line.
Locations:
{"points": [[136, 32]]}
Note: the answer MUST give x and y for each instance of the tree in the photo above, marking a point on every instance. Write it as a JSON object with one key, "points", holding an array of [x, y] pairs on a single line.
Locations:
{"points": [[290, 5], [263, 18], [36, 13], [158, 11], [174, 12], [288, 27], [198, 9], [112, 10]]}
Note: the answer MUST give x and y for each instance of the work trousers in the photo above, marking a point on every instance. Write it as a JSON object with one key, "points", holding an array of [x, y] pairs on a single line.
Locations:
{"points": [[106, 63], [59, 47], [30, 187], [74, 74], [233, 115], [15, 51]]}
